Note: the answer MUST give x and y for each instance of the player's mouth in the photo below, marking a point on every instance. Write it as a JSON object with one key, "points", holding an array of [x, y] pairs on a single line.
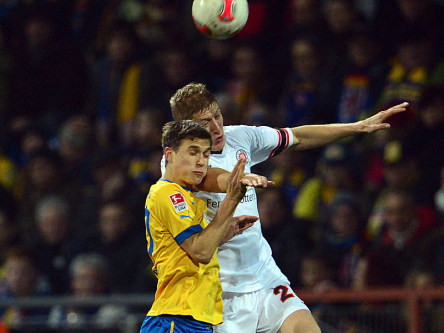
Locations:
{"points": [[199, 173], [218, 139]]}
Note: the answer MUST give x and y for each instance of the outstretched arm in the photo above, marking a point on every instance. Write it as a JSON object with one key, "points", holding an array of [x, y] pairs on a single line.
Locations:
{"points": [[312, 136], [217, 179]]}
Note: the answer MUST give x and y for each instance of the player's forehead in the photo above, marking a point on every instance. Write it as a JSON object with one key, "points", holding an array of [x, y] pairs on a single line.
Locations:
{"points": [[207, 113], [195, 144]]}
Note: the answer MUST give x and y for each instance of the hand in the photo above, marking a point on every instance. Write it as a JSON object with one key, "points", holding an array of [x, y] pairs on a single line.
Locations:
{"points": [[235, 188], [238, 225], [376, 122], [251, 179]]}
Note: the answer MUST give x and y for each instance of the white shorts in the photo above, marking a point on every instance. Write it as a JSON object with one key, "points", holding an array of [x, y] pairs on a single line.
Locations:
{"points": [[262, 311]]}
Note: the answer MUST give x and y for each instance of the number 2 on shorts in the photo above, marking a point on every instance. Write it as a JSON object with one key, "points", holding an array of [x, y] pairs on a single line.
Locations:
{"points": [[283, 290]]}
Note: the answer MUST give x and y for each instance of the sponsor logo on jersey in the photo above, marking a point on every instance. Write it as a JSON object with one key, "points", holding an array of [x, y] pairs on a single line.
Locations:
{"points": [[178, 201], [249, 197], [242, 153]]}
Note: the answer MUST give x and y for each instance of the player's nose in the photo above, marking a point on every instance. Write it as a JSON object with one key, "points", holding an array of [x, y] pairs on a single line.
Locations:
{"points": [[214, 126]]}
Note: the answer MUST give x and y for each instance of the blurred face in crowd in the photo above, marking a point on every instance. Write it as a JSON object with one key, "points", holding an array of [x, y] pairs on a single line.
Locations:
{"points": [[344, 220], [120, 48], [399, 175], [32, 142], [20, 276], [146, 129], [398, 212], [43, 173], [246, 64], [414, 54], [411, 9], [362, 51], [335, 174], [53, 225], [88, 280], [340, 15], [113, 222], [304, 12], [304, 58], [312, 272], [74, 138], [433, 115], [270, 208], [38, 32], [177, 68]]}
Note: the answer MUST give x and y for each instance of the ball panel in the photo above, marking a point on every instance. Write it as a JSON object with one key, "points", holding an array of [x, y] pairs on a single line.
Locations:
{"points": [[220, 19]]}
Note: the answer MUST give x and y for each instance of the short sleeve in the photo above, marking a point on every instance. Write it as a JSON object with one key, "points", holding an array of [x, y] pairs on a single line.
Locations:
{"points": [[267, 142], [177, 210]]}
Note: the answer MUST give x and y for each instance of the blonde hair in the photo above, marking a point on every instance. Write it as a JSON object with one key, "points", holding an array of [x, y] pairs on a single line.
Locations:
{"points": [[191, 99]]}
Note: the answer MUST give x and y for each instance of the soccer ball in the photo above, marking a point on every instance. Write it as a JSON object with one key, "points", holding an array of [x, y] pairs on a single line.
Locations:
{"points": [[220, 19]]}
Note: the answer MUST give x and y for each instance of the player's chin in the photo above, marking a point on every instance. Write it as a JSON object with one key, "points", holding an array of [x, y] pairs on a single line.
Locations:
{"points": [[197, 177]]}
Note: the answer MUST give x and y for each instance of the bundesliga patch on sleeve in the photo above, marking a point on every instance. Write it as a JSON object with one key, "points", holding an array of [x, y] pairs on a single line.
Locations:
{"points": [[178, 201]]}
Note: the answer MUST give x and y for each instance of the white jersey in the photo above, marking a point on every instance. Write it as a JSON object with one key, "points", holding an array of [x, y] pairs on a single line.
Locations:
{"points": [[245, 261]]}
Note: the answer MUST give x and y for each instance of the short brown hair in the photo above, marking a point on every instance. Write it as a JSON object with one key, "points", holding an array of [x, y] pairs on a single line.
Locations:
{"points": [[191, 99], [174, 132]]}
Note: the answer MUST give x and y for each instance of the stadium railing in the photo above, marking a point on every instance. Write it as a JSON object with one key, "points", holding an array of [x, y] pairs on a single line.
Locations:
{"points": [[373, 310]]}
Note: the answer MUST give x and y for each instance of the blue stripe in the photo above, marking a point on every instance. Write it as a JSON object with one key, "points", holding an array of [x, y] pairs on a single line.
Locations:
{"points": [[194, 229], [147, 225], [185, 216]]}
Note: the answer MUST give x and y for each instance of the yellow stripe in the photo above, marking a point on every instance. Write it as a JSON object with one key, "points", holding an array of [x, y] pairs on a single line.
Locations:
{"points": [[172, 327]]}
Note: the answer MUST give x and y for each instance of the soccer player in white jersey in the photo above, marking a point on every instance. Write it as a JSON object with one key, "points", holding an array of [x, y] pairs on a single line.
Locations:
{"points": [[256, 294]]}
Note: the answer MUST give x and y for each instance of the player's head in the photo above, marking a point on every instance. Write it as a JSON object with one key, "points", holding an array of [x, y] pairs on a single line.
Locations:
{"points": [[187, 147], [195, 102]]}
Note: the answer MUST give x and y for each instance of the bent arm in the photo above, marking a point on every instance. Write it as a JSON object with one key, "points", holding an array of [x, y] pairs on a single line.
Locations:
{"points": [[202, 245], [312, 136], [215, 181]]}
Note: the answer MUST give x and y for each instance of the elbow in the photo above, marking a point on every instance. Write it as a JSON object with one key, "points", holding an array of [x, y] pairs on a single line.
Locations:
{"points": [[202, 257]]}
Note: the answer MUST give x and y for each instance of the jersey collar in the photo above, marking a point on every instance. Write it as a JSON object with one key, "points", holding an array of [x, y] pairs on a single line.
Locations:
{"points": [[169, 181]]}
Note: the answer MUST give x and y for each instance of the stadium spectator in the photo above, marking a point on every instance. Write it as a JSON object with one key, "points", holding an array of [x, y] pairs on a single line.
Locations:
{"points": [[335, 173], [308, 88], [363, 77], [9, 234], [89, 277], [114, 85], [124, 249], [49, 78], [287, 237], [55, 243], [341, 234], [22, 278], [406, 237], [248, 84], [290, 171]]}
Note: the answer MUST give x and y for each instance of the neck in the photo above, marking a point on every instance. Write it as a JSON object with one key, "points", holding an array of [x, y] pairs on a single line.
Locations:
{"points": [[169, 175]]}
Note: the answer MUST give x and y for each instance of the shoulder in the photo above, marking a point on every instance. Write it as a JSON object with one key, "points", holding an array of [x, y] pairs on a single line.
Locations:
{"points": [[244, 132], [163, 190]]}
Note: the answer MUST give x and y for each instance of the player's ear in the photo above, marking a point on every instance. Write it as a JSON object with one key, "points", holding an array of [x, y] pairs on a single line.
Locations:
{"points": [[168, 152]]}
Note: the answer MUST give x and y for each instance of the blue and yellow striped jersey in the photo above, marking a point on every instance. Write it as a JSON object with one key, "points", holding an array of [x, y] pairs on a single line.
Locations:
{"points": [[185, 287]]}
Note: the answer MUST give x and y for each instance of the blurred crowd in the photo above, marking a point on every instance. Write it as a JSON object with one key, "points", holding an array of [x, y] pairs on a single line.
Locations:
{"points": [[84, 91]]}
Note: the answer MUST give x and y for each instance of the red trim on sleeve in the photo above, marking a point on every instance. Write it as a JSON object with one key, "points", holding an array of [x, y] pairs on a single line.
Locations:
{"points": [[280, 140]]}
